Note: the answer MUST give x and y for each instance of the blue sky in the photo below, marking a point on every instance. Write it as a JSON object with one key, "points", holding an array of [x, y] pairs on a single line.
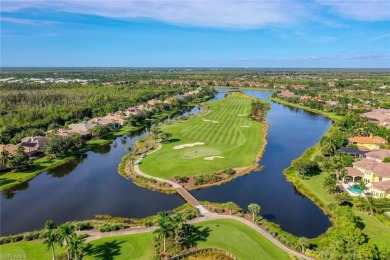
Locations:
{"points": [[201, 33]]}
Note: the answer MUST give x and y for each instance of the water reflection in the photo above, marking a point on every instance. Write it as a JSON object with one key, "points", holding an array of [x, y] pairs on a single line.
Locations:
{"points": [[65, 169], [93, 186]]}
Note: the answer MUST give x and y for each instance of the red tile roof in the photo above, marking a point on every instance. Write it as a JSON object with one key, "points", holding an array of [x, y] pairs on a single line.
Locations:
{"points": [[354, 172], [379, 154], [383, 185], [380, 169], [367, 140]]}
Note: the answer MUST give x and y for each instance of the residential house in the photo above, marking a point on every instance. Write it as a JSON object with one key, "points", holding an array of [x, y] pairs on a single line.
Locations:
{"points": [[34, 145], [376, 175], [153, 102], [287, 94], [82, 129], [133, 111], [379, 116], [378, 155], [367, 143]]}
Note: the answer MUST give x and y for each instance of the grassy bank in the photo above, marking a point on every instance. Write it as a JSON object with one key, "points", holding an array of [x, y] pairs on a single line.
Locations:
{"points": [[314, 190], [226, 135], [11, 179], [229, 235], [329, 115]]}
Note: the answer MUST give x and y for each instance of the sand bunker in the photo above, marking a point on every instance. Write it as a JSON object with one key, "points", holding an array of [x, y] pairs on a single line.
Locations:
{"points": [[207, 120], [187, 145], [245, 126], [210, 158]]}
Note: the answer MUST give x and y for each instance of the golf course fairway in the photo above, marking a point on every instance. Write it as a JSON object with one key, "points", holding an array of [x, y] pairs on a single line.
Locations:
{"points": [[224, 137]]}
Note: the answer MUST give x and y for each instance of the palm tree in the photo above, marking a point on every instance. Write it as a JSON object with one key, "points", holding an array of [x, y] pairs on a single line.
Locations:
{"points": [[4, 156], [362, 186], [76, 246], [254, 209], [303, 242], [165, 226], [342, 174], [177, 222], [51, 239], [230, 205], [65, 232]]}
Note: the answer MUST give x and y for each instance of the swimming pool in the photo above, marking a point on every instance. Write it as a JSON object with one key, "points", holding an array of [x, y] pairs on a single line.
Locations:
{"points": [[355, 189]]}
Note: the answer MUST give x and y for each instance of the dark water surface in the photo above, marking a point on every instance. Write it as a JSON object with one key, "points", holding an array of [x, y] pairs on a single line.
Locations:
{"points": [[89, 186]]}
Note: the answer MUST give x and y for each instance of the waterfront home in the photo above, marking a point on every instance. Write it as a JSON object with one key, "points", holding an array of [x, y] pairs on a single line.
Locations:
{"points": [[153, 102], [133, 111], [379, 116], [367, 143], [114, 119], [10, 148], [375, 174], [287, 94], [82, 129], [34, 145], [378, 155]]}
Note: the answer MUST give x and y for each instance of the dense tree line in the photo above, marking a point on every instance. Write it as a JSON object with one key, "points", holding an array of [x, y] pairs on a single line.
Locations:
{"points": [[31, 109]]}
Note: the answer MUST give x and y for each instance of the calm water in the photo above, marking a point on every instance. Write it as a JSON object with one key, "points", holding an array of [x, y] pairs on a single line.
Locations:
{"points": [[90, 186]]}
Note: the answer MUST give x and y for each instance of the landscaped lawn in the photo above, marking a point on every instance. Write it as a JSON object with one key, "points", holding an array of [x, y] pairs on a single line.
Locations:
{"points": [[137, 246], [228, 235], [238, 239], [28, 250], [226, 131]]}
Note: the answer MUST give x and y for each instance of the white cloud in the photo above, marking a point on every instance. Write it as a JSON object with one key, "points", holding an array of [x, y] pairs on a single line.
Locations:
{"points": [[365, 10], [380, 37], [26, 21], [214, 13]]}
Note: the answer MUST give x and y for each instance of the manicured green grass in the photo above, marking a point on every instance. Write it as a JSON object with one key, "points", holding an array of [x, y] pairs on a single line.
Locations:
{"points": [[330, 115], [30, 249], [376, 230], [137, 246], [238, 239], [226, 234], [223, 135]]}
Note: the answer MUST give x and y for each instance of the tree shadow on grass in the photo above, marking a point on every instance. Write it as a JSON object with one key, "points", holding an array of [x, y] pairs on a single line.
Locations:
{"points": [[174, 140], [106, 251], [198, 234]]}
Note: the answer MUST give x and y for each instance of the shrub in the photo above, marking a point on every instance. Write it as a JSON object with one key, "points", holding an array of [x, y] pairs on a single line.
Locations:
{"points": [[5, 240], [148, 223], [105, 228], [229, 171], [16, 238], [181, 179]]}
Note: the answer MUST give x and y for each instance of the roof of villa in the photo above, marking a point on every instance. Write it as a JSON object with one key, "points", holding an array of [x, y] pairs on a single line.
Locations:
{"points": [[380, 169], [354, 172], [367, 140], [84, 126], [382, 185], [379, 154]]}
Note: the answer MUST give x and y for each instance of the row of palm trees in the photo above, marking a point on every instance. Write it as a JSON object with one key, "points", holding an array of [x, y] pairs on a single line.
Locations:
{"points": [[64, 236], [169, 226]]}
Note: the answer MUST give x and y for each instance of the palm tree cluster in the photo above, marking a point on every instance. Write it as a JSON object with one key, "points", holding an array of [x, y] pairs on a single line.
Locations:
{"points": [[64, 236], [170, 227]]}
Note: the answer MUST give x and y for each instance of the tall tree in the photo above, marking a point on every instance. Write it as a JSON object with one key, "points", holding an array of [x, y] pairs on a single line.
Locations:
{"points": [[254, 209], [51, 237], [165, 227]]}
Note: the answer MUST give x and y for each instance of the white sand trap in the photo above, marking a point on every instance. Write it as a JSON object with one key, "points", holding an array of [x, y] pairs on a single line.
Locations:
{"points": [[245, 126], [212, 158], [208, 120], [187, 145]]}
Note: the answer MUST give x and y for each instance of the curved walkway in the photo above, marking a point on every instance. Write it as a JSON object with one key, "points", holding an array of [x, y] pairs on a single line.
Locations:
{"points": [[206, 215]]}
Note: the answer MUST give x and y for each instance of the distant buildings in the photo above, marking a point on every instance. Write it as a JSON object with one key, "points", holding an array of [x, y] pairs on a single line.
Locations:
{"points": [[287, 94], [379, 116]]}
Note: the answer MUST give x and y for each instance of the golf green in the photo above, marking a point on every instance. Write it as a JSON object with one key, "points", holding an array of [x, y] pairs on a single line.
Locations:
{"points": [[225, 137]]}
